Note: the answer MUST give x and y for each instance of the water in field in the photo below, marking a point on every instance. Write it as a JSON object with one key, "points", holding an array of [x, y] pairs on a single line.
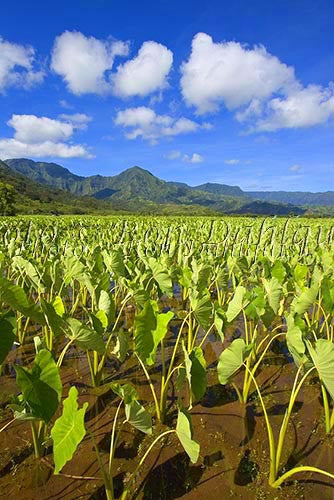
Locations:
{"points": [[234, 454]]}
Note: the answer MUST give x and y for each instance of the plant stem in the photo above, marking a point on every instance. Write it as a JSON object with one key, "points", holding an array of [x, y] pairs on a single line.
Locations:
{"points": [[126, 489], [157, 407], [37, 446], [295, 470]]}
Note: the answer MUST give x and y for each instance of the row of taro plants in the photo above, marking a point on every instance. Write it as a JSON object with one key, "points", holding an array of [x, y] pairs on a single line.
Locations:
{"points": [[74, 295]]}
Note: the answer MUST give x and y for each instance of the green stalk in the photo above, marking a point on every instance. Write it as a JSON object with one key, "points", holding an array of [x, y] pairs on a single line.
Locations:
{"points": [[126, 489], [63, 352], [171, 363], [326, 408], [295, 470], [272, 447], [190, 332], [106, 480], [35, 439], [284, 426], [157, 407], [255, 367]]}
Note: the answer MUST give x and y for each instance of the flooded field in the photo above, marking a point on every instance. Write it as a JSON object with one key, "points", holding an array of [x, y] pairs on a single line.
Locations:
{"points": [[207, 373]]}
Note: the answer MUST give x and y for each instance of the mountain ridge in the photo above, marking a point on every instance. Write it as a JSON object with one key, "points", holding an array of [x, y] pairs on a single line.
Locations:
{"points": [[137, 188]]}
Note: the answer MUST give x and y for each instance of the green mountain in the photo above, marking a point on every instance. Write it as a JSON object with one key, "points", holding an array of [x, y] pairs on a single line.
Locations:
{"points": [[33, 197], [213, 188], [325, 199], [137, 190]]}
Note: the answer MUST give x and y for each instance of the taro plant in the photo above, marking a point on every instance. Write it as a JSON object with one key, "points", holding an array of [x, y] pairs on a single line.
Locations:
{"points": [[150, 331], [69, 430], [258, 306], [319, 357], [41, 390]]}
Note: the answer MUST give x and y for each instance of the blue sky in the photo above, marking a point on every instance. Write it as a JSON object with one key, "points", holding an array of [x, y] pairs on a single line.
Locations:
{"points": [[232, 92]]}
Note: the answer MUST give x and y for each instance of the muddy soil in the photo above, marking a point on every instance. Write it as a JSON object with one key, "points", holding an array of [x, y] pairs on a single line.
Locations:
{"points": [[234, 458]]}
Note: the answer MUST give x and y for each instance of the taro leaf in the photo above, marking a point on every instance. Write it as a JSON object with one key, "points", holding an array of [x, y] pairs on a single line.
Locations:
{"points": [[256, 308], [202, 307], [85, 337], [300, 273], [237, 304], [58, 306], [305, 300], [68, 430], [138, 417], [122, 345], [145, 324], [161, 276], [114, 262], [294, 340], [278, 271], [126, 392], [7, 335], [103, 318], [159, 333], [107, 305], [201, 273], [16, 298], [231, 359], [185, 434], [273, 290], [150, 330], [327, 294], [141, 296], [219, 320], [323, 358], [29, 270], [73, 268], [198, 373], [55, 322], [41, 386]]}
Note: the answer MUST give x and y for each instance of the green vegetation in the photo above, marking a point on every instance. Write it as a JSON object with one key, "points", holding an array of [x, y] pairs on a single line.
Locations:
{"points": [[139, 302], [138, 191]]}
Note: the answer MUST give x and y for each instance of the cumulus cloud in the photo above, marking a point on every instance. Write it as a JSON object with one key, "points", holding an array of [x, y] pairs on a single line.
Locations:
{"points": [[145, 123], [17, 66], [84, 62], [11, 148], [233, 161], [78, 120], [145, 73], [41, 137], [194, 158], [173, 155], [231, 74], [304, 107], [295, 168], [262, 90], [33, 129]]}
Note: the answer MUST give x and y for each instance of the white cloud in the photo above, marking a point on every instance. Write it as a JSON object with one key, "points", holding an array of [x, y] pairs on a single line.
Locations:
{"points": [[231, 74], [33, 129], [233, 161], [11, 148], [263, 90], [17, 66], [304, 107], [173, 155], [145, 123], [78, 120], [41, 137], [194, 158], [64, 104], [145, 73], [83, 62], [295, 168]]}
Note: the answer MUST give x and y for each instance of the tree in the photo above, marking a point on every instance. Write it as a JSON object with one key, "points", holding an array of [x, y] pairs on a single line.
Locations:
{"points": [[7, 199]]}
